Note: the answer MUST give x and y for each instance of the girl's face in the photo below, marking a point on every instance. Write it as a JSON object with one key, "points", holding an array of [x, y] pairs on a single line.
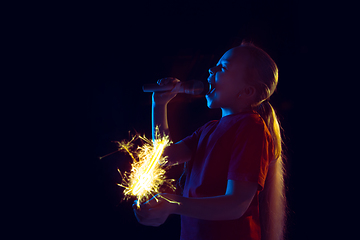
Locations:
{"points": [[227, 81]]}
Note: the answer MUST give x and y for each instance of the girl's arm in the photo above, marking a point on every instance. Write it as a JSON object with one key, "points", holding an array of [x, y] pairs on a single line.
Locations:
{"points": [[159, 116], [177, 153], [160, 101], [232, 205]]}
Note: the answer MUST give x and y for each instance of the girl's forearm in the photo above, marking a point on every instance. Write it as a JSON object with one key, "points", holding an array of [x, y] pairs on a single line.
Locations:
{"points": [[159, 118], [225, 207], [177, 153]]}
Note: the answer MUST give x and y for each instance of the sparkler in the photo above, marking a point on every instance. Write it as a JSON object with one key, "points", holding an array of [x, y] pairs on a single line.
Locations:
{"points": [[148, 168]]}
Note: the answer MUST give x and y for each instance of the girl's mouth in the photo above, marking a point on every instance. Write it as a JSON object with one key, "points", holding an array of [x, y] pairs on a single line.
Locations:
{"points": [[211, 89]]}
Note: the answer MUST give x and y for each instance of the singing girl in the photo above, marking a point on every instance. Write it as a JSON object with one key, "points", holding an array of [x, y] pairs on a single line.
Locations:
{"points": [[234, 186]]}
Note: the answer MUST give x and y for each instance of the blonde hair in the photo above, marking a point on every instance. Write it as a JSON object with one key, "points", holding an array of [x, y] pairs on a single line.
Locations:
{"points": [[263, 75]]}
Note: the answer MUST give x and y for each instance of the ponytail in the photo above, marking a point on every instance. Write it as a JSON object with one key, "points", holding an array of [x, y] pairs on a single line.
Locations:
{"points": [[272, 198], [263, 75]]}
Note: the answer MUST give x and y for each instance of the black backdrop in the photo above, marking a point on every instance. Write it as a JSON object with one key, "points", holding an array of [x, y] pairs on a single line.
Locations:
{"points": [[101, 55]]}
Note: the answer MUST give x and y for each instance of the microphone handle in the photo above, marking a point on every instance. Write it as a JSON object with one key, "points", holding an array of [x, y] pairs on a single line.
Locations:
{"points": [[158, 88], [190, 87]]}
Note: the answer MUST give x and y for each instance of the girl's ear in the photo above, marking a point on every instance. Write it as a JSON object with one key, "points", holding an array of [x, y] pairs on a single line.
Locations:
{"points": [[249, 91]]}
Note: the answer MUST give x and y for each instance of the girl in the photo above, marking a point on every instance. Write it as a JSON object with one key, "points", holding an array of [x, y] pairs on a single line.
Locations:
{"points": [[234, 185]]}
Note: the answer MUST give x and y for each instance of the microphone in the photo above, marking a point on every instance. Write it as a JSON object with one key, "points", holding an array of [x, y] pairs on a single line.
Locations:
{"points": [[193, 87]]}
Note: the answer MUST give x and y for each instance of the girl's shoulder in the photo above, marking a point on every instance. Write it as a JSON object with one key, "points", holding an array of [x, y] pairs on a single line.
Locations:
{"points": [[246, 123], [209, 125], [254, 119], [245, 118]]}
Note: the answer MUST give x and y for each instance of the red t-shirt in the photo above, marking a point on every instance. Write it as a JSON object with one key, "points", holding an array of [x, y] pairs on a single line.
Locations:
{"points": [[237, 147]]}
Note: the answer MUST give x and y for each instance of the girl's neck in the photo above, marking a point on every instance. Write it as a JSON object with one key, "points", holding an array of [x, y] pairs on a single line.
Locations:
{"points": [[229, 111]]}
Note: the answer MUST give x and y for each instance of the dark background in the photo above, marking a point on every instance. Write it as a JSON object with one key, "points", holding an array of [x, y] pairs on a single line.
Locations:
{"points": [[96, 57]]}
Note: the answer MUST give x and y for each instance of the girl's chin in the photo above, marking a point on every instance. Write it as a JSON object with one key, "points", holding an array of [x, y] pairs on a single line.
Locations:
{"points": [[210, 103]]}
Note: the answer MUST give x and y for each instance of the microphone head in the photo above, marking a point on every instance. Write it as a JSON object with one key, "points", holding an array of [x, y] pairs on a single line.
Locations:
{"points": [[194, 87]]}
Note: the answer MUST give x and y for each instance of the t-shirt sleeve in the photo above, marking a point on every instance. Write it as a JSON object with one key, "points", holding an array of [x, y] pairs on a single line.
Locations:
{"points": [[192, 141], [251, 153]]}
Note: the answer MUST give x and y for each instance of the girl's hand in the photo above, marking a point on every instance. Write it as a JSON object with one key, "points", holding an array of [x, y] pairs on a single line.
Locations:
{"points": [[155, 211], [165, 97]]}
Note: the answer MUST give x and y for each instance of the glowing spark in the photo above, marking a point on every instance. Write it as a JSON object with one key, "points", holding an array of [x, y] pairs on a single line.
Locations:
{"points": [[147, 173]]}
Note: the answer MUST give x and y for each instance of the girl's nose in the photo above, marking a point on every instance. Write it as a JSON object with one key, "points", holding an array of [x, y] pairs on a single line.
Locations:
{"points": [[212, 70]]}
